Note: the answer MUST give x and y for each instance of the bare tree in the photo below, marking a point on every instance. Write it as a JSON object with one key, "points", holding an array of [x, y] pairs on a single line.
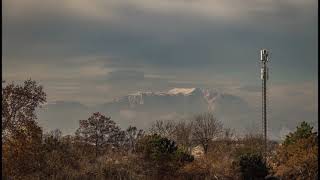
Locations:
{"points": [[252, 142], [52, 138], [99, 130], [132, 136], [18, 105], [205, 128], [229, 134], [163, 128], [20, 132], [183, 134]]}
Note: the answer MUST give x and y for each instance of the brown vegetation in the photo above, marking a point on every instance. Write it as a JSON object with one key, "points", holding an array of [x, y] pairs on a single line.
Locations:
{"points": [[101, 150]]}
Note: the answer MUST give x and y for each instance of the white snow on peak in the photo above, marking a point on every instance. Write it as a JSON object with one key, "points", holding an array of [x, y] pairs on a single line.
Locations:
{"points": [[140, 93], [184, 91]]}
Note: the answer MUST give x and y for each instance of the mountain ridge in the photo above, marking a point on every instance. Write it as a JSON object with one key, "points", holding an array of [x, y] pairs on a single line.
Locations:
{"points": [[144, 107]]}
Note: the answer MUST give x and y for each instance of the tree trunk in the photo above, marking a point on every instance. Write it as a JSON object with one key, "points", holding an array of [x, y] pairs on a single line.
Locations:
{"points": [[97, 148], [205, 148]]}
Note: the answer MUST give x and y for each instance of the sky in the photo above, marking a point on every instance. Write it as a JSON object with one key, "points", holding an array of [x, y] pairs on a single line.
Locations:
{"points": [[92, 51]]}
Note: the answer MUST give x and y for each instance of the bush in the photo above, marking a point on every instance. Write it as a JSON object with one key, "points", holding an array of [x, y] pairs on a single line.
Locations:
{"points": [[252, 166], [162, 155], [304, 131], [182, 156], [297, 157]]}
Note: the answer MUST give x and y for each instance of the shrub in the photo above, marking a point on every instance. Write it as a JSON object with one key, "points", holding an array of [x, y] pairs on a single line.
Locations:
{"points": [[252, 166], [162, 155], [297, 157]]}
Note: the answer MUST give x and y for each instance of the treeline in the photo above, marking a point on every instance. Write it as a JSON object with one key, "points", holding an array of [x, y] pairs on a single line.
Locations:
{"points": [[199, 148]]}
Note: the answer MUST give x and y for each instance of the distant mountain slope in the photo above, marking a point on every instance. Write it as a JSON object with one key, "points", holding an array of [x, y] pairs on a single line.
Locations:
{"points": [[142, 108], [63, 115]]}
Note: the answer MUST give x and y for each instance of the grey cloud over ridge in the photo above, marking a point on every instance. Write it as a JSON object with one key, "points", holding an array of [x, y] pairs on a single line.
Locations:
{"points": [[250, 88], [125, 75], [97, 8], [144, 32], [94, 50]]}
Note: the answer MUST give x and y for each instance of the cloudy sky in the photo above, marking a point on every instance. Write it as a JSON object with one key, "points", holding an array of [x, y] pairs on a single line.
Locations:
{"points": [[92, 51]]}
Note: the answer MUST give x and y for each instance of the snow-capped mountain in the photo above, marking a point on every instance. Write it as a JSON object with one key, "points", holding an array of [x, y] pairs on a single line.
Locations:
{"points": [[139, 98], [142, 108], [183, 91]]}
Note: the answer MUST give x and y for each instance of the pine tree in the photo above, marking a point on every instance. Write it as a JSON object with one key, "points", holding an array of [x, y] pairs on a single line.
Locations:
{"points": [[99, 130]]}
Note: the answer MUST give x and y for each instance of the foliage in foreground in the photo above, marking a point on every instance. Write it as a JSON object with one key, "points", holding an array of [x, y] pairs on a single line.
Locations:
{"points": [[162, 155], [101, 150], [252, 166], [297, 157]]}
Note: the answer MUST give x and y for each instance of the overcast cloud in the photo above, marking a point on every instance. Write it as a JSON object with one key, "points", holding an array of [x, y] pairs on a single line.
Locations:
{"points": [[92, 51]]}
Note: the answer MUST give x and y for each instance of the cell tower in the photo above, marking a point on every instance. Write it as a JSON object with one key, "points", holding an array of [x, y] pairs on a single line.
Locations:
{"points": [[264, 57]]}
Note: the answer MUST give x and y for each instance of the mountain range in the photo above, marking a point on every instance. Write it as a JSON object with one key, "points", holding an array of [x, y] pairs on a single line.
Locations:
{"points": [[141, 109]]}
